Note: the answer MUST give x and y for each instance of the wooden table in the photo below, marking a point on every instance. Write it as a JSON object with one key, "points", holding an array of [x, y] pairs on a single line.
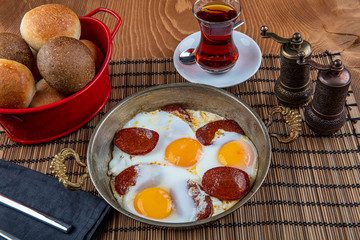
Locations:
{"points": [[153, 28], [317, 177]]}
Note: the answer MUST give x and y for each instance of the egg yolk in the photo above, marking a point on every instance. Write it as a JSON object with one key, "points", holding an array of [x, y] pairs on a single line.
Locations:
{"points": [[237, 154], [153, 203], [183, 152]]}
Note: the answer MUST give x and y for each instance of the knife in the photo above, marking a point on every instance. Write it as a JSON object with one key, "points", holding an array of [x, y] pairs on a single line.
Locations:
{"points": [[38, 215], [7, 236]]}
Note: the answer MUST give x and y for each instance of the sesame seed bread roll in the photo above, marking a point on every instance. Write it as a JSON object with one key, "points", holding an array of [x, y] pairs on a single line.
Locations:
{"points": [[47, 21], [17, 85]]}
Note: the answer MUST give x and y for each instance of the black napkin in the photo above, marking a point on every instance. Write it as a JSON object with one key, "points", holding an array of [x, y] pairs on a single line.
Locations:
{"points": [[84, 211]]}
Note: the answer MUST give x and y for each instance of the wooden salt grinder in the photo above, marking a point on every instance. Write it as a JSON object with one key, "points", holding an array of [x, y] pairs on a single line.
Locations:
{"points": [[326, 112], [293, 87]]}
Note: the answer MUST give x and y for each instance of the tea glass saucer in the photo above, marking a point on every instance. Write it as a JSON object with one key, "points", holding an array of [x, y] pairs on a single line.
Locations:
{"points": [[245, 67]]}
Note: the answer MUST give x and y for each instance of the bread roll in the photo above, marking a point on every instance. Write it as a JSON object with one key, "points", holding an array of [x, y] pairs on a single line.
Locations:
{"points": [[47, 21], [96, 53], [13, 47], [17, 85], [66, 64], [45, 94]]}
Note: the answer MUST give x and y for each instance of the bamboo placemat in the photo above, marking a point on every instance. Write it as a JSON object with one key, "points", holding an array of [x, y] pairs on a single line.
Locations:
{"points": [[311, 191]]}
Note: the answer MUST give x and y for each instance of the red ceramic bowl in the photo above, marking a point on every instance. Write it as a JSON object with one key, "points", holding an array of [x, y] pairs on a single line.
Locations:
{"points": [[45, 123]]}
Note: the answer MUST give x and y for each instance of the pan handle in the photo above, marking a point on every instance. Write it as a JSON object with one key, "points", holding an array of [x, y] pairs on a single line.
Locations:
{"points": [[118, 18], [292, 118], [58, 168]]}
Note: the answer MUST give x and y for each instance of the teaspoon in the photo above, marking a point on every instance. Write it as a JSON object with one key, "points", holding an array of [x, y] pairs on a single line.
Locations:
{"points": [[188, 56]]}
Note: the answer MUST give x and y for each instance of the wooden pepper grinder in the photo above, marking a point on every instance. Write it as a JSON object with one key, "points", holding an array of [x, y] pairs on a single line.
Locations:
{"points": [[326, 112], [293, 87]]}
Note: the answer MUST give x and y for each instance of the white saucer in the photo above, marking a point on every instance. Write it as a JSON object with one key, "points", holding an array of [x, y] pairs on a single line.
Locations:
{"points": [[246, 66]]}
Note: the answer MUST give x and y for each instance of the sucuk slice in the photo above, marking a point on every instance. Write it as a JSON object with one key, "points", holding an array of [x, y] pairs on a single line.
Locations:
{"points": [[125, 179], [226, 183], [206, 133], [136, 141], [177, 108], [202, 201]]}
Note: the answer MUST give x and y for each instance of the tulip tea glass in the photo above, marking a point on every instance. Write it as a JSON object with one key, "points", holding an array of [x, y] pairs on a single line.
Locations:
{"points": [[216, 52]]}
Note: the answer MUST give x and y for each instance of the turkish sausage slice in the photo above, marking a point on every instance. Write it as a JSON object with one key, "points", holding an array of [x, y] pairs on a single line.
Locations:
{"points": [[226, 183], [179, 109], [206, 133], [202, 201], [136, 141], [125, 179]]}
